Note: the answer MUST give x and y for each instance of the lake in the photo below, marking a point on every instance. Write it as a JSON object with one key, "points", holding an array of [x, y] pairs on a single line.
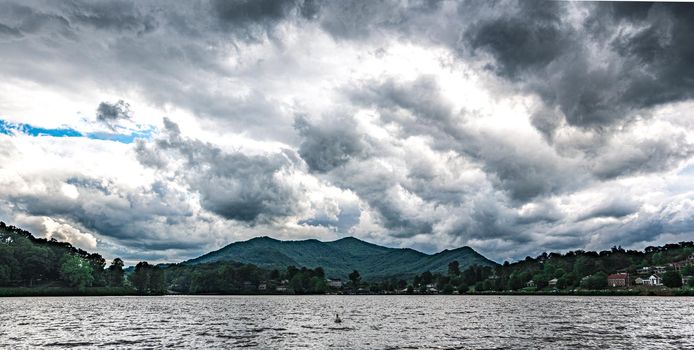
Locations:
{"points": [[369, 322]]}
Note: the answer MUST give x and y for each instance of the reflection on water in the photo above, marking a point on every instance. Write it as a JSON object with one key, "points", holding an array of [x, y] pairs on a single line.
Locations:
{"points": [[368, 322]]}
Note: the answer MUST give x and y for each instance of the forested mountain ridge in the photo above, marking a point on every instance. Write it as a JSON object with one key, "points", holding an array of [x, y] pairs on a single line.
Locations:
{"points": [[339, 258]]}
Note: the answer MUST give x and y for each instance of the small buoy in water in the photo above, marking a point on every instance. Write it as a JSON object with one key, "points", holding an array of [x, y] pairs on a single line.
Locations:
{"points": [[337, 319]]}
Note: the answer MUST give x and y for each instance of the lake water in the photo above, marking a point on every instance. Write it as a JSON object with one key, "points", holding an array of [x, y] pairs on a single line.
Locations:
{"points": [[369, 322]]}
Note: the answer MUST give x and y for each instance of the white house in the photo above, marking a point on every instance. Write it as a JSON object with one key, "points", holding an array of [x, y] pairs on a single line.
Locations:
{"points": [[334, 283], [654, 280], [640, 280], [553, 282]]}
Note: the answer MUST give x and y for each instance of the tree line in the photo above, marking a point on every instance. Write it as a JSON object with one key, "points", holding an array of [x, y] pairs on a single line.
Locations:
{"points": [[26, 261]]}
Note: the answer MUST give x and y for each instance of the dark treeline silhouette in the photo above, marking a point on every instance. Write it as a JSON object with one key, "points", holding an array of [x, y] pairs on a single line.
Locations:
{"points": [[237, 278], [27, 262]]}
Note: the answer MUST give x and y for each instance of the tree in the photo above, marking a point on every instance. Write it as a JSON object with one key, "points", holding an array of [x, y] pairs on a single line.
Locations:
{"points": [[596, 281], [672, 279], [76, 271], [157, 281], [453, 268], [115, 273], [140, 277], [427, 277], [515, 282], [355, 278], [584, 266], [318, 285]]}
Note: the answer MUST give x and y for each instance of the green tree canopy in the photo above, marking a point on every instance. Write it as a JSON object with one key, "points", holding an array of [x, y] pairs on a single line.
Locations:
{"points": [[355, 278], [672, 279], [76, 271], [453, 268]]}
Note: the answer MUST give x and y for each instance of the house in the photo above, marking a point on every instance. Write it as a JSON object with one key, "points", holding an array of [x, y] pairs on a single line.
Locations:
{"points": [[654, 280], [530, 283], [262, 286], [686, 279], [640, 281], [644, 270], [431, 288], [334, 283], [553, 282], [659, 269], [281, 288], [618, 279]]}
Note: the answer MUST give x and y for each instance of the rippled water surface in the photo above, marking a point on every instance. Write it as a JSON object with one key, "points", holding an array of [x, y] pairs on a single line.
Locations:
{"points": [[369, 322]]}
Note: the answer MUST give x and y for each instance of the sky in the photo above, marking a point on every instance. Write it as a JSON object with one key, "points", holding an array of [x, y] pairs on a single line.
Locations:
{"points": [[160, 130]]}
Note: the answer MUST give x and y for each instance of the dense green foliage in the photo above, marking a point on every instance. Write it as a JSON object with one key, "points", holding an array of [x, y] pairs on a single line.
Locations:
{"points": [[339, 258], [235, 278], [26, 261], [148, 279], [581, 269], [76, 271], [672, 279]]}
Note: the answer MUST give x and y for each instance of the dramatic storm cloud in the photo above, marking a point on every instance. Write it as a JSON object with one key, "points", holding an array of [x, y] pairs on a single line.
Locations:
{"points": [[159, 130]]}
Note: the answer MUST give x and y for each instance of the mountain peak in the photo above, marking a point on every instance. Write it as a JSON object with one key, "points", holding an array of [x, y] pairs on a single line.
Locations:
{"points": [[340, 257]]}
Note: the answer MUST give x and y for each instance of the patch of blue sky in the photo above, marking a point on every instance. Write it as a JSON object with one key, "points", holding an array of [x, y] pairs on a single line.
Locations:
{"points": [[11, 129], [122, 138]]}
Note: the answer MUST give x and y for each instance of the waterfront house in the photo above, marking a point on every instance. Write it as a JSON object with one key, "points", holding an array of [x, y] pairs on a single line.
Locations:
{"points": [[659, 269], [640, 280], [686, 279], [262, 287], [618, 279], [334, 283], [644, 270], [530, 283], [654, 280], [553, 282]]}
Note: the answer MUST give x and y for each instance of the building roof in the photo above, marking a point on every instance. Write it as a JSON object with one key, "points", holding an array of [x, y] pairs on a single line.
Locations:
{"points": [[618, 276]]}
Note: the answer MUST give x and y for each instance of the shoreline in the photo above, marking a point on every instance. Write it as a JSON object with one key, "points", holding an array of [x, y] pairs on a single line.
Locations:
{"points": [[105, 292]]}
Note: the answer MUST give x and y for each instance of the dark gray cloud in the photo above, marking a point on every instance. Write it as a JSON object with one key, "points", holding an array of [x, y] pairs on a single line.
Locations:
{"points": [[328, 145], [358, 19], [111, 113], [622, 59], [529, 39], [119, 16], [345, 132], [20, 20], [254, 20], [612, 208], [233, 185]]}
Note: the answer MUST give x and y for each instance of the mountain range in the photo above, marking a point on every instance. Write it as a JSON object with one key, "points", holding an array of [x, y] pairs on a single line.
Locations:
{"points": [[339, 258]]}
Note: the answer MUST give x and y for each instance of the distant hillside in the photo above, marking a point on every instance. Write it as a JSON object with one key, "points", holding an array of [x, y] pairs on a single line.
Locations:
{"points": [[339, 258]]}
